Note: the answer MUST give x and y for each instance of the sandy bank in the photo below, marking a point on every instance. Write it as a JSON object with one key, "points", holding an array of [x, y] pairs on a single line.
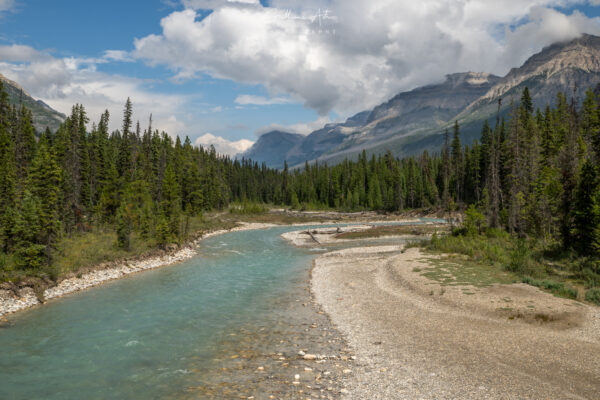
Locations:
{"points": [[414, 340], [11, 302]]}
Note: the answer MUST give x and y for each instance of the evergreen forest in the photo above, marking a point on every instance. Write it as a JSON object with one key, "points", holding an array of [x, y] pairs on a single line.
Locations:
{"points": [[533, 176]]}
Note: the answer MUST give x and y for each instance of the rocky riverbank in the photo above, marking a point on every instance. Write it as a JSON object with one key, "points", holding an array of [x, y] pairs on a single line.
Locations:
{"points": [[13, 299], [415, 339]]}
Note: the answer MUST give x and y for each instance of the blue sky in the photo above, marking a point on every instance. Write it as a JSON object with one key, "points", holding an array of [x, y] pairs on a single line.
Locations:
{"points": [[223, 71]]}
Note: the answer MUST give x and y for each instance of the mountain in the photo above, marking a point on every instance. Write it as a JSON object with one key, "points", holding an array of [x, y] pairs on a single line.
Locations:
{"points": [[571, 68], [414, 121], [43, 115], [272, 147]]}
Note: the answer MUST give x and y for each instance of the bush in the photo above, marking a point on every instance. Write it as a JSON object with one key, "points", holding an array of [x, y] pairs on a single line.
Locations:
{"points": [[588, 270], [475, 222], [496, 233], [557, 288], [521, 262], [32, 256], [247, 208], [593, 296]]}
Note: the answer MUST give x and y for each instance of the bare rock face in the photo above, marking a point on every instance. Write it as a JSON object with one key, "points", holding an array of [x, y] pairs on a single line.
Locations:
{"points": [[43, 115], [560, 67], [421, 108], [414, 121]]}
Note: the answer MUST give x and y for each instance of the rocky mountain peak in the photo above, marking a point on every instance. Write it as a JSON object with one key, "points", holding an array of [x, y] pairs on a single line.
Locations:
{"points": [[580, 54], [14, 84], [43, 115]]}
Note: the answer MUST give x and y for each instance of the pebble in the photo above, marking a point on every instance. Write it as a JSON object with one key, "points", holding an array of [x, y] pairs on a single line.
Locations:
{"points": [[309, 357]]}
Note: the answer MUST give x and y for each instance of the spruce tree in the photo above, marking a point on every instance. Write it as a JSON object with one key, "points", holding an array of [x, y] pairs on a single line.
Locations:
{"points": [[171, 201], [8, 185], [30, 254], [457, 163], [44, 181], [586, 221]]}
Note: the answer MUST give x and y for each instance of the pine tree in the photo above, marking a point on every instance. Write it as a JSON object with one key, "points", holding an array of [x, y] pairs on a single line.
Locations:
{"points": [[171, 201], [446, 171], [124, 161], [44, 181], [124, 221], [586, 221], [526, 101], [30, 254], [8, 184], [457, 162]]}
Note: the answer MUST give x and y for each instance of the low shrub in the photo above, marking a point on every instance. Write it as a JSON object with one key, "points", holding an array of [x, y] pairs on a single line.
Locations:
{"points": [[521, 260], [593, 296], [247, 208], [557, 288]]}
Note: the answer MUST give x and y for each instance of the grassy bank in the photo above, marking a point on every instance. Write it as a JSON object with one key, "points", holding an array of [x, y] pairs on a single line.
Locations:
{"points": [[494, 256], [389, 230], [82, 251]]}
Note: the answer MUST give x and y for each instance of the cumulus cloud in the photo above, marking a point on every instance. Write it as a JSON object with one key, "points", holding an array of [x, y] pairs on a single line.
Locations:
{"points": [[7, 5], [348, 55], [249, 99], [62, 82], [303, 128], [18, 52], [222, 145]]}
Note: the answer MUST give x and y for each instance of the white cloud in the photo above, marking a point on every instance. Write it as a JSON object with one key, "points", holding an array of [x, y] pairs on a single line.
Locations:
{"points": [[348, 55], [247, 99], [18, 52], [213, 4], [303, 128], [63, 82], [222, 145], [7, 5], [117, 55]]}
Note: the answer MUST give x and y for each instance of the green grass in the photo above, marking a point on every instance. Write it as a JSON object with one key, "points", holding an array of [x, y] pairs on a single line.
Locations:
{"points": [[490, 249], [593, 296], [91, 248], [247, 208], [459, 271], [557, 288], [497, 257], [391, 230], [85, 250]]}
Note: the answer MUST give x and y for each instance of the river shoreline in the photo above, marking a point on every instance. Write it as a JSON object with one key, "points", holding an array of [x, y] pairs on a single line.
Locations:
{"points": [[19, 299], [11, 302], [416, 339]]}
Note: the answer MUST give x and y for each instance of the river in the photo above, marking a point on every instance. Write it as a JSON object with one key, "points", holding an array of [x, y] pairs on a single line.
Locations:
{"points": [[161, 333]]}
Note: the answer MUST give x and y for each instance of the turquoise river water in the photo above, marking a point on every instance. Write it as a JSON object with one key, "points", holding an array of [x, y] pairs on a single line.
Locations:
{"points": [[142, 336]]}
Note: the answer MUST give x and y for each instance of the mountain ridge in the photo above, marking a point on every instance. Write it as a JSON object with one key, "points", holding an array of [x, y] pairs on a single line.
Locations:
{"points": [[413, 121], [43, 115]]}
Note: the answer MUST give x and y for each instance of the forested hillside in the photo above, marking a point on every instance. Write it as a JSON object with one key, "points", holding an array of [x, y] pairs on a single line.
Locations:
{"points": [[535, 175]]}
